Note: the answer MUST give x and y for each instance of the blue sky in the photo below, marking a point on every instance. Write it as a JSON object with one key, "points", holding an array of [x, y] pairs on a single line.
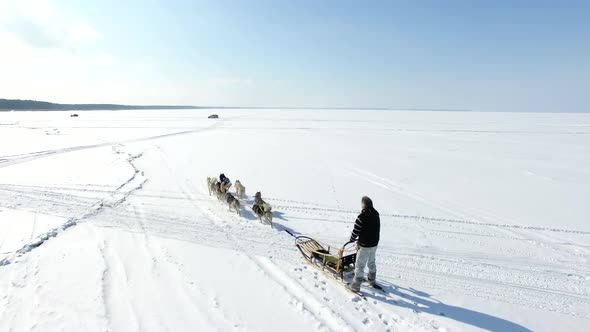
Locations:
{"points": [[481, 55]]}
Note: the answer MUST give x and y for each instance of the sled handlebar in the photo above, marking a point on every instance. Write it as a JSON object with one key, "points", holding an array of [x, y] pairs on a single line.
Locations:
{"points": [[347, 244]]}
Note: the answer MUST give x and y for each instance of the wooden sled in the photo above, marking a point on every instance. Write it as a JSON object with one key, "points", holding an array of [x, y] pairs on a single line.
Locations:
{"points": [[327, 259]]}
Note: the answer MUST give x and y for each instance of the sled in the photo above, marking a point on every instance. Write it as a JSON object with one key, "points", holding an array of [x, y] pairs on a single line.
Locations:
{"points": [[328, 259]]}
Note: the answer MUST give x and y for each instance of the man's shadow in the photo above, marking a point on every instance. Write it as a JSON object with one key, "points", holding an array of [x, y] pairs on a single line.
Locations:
{"points": [[419, 301]]}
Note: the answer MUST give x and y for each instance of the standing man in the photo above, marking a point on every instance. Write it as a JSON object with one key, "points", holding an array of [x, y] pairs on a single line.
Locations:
{"points": [[366, 231]]}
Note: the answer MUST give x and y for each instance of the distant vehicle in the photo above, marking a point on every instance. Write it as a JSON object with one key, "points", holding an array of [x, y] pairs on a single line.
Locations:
{"points": [[213, 116], [73, 115]]}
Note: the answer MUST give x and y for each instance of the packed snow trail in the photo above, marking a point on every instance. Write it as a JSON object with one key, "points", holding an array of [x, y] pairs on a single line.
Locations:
{"points": [[151, 250]]}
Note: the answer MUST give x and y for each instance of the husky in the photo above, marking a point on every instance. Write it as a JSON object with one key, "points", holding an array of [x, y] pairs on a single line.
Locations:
{"points": [[258, 198], [263, 213], [224, 187], [262, 209], [267, 212], [211, 185], [240, 189], [219, 192], [232, 202]]}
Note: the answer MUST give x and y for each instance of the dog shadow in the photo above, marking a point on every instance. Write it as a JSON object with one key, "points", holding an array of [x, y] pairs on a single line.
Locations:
{"points": [[419, 301], [278, 215], [248, 200], [247, 213]]}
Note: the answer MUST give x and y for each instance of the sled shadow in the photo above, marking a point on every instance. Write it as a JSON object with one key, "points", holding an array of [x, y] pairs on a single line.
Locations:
{"points": [[282, 228], [419, 301]]}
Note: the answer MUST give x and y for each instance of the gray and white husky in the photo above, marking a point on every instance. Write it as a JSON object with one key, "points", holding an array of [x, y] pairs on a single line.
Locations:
{"points": [[262, 209], [211, 185], [219, 191], [232, 202]]}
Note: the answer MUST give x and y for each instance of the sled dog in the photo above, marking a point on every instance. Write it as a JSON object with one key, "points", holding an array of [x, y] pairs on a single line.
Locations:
{"points": [[262, 209], [240, 189], [211, 185], [232, 202], [219, 191], [223, 187], [261, 213]]}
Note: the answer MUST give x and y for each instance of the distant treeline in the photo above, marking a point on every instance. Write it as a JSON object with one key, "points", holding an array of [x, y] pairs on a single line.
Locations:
{"points": [[33, 105]]}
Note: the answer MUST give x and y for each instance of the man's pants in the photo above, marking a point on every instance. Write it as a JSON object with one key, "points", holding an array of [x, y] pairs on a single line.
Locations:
{"points": [[365, 256]]}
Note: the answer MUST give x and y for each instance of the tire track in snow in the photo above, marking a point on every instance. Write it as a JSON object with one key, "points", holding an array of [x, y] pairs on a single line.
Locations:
{"points": [[307, 303], [106, 281], [135, 182], [363, 314], [18, 159], [215, 314], [62, 198], [305, 300], [310, 208], [571, 250], [115, 274], [438, 276], [393, 187], [27, 281]]}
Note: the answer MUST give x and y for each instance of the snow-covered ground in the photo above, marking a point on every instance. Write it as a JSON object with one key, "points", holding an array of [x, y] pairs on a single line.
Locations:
{"points": [[106, 223]]}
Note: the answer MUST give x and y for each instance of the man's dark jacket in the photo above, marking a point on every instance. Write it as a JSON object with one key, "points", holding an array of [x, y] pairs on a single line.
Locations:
{"points": [[366, 228]]}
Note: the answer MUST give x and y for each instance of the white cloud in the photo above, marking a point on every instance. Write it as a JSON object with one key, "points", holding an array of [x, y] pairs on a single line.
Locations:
{"points": [[50, 55], [40, 23], [82, 33]]}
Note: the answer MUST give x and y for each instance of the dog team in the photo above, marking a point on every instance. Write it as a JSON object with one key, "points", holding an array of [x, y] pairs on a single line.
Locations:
{"points": [[220, 187]]}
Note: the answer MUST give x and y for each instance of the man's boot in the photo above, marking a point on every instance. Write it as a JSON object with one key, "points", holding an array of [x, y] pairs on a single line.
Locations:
{"points": [[372, 278], [355, 286]]}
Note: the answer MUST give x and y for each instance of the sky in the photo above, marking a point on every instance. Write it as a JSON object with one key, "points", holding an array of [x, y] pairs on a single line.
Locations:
{"points": [[477, 55]]}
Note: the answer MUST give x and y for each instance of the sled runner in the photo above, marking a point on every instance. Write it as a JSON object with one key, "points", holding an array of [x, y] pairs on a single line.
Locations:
{"points": [[334, 261]]}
